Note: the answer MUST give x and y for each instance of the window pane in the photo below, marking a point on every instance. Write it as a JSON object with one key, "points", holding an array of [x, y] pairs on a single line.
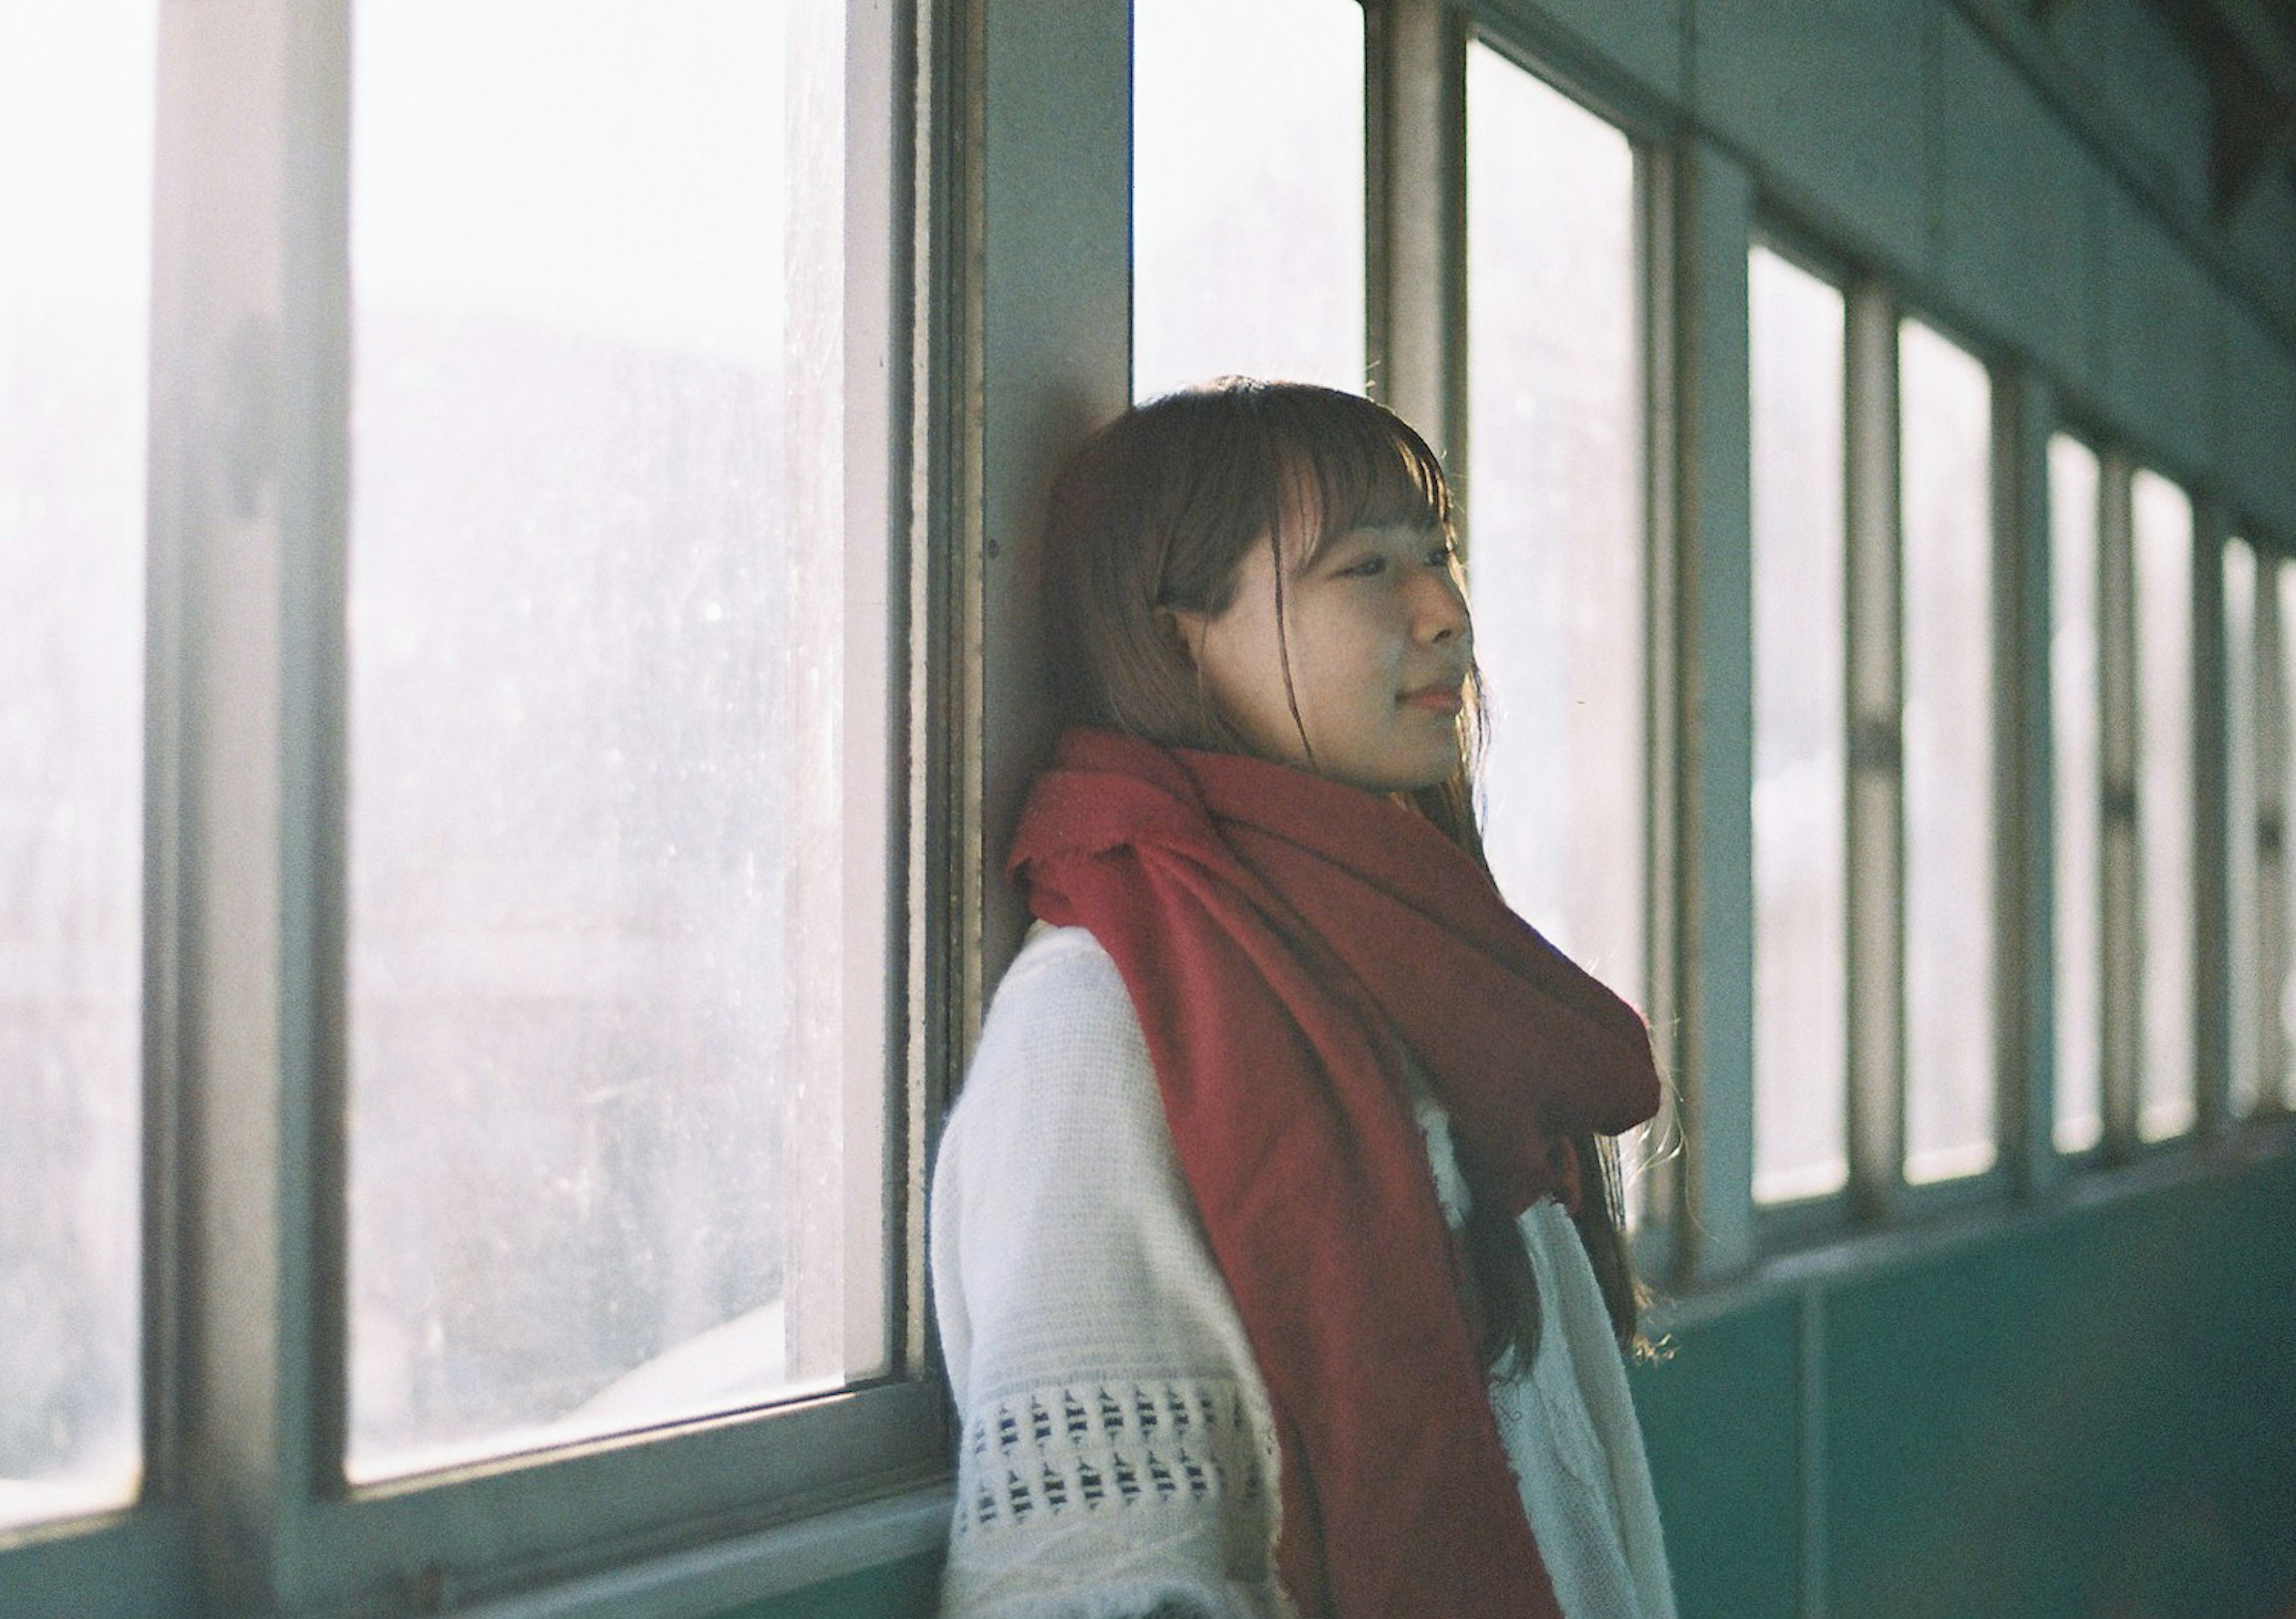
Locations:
{"points": [[2076, 767], [76, 145], [616, 878], [1800, 946], [1948, 504], [2241, 818], [1555, 532], [1247, 193], [2164, 534]]}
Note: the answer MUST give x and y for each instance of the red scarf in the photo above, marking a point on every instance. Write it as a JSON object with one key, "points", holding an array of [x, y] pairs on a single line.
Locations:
{"points": [[1279, 934]]}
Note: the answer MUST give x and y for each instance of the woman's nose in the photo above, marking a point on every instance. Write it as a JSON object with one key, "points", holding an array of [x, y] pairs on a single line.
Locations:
{"points": [[1440, 610]]}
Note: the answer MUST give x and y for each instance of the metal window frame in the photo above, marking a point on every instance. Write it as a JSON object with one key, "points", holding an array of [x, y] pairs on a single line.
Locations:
{"points": [[1804, 1222], [244, 1507], [2007, 508]]}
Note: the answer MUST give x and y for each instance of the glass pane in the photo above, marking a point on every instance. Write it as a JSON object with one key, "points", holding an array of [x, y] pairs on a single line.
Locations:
{"points": [[1947, 505], [2241, 818], [76, 148], [1247, 193], [2076, 767], [2163, 533], [616, 878], [1555, 528], [1800, 946]]}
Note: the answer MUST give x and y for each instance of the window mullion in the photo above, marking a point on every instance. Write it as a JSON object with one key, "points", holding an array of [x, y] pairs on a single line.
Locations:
{"points": [[2213, 998], [251, 295], [1876, 779], [1712, 1021], [1415, 183], [2269, 1047], [2023, 417], [2119, 906]]}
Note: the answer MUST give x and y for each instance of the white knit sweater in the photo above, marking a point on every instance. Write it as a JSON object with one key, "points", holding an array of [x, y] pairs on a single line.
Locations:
{"points": [[1116, 1458]]}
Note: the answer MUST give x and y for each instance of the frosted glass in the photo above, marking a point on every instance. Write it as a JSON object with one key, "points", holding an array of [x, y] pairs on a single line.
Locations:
{"points": [[76, 149], [2078, 771], [1554, 538], [1555, 532], [615, 880], [1947, 505], [1801, 860], [2164, 534], [2242, 935], [1247, 193]]}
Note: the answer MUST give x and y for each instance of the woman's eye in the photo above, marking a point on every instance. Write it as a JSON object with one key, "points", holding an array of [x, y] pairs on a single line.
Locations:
{"points": [[1441, 556], [1368, 567]]}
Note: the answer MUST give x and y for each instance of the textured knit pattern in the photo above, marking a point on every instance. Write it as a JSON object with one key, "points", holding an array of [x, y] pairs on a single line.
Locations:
{"points": [[1118, 1459]]}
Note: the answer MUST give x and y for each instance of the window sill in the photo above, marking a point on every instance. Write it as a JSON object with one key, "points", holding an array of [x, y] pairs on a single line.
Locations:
{"points": [[1845, 1253], [705, 1581]]}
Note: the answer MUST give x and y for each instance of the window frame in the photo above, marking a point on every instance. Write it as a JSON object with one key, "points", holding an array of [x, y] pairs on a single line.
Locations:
{"points": [[1660, 1180], [243, 1332], [1791, 1223], [1877, 1193]]}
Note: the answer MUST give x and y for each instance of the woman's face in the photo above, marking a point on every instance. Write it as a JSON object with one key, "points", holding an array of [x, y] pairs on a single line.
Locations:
{"points": [[1380, 648]]}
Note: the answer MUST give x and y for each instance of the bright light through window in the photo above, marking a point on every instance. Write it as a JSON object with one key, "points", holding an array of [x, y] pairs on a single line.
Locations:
{"points": [[1947, 496], [77, 98], [2163, 536], [2077, 770], [1800, 918], [1554, 527], [618, 809], [1247, 193]]}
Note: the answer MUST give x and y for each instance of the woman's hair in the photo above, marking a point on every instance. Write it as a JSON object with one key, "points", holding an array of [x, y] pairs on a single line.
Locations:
{"points": [[1154, 515]]}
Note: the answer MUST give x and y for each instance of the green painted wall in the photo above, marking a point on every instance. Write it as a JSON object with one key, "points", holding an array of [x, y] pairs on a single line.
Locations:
{"points": [[2087, 1414]]}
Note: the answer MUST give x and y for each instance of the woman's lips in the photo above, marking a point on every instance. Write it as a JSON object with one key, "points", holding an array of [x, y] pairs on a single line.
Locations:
{"points": [[1435, 699]]}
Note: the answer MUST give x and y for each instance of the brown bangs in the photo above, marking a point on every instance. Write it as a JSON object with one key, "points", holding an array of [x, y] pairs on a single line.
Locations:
{"points": [[1350, 465]]}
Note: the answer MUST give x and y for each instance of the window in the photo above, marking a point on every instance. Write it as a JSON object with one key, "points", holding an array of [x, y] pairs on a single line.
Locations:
{"points": [[471, 950], [2161, 521], [617, 880], [1946, 478], [2077, 771], [1800, 724], [76, 98], [1556, 552], [1556, 529], [1248, 192]]}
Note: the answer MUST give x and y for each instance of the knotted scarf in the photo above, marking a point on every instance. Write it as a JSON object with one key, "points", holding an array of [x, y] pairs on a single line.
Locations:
{"points": [[1279, 934]]}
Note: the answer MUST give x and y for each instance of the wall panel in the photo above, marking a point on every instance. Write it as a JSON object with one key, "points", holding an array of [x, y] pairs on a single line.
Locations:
{"points": [[1641, 40], [1829, 100], [2013, 207], [2256, 423], [2161, 318]]}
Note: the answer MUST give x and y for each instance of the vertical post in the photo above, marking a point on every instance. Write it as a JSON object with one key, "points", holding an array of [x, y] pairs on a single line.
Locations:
{"points": [[2024, 412], [1714, 865], [2212, 997], [250, 481], [1876, 785], [1415, 181], [1054, 291], [2121, 904], [2271, 832]]}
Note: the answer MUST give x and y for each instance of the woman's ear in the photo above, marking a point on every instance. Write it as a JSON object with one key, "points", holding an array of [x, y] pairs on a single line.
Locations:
{"points": [[1186, 631]]}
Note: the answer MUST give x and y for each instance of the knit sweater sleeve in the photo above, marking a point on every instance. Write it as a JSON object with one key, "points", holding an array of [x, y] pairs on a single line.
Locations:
{"points": [[1116, 1457]]}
